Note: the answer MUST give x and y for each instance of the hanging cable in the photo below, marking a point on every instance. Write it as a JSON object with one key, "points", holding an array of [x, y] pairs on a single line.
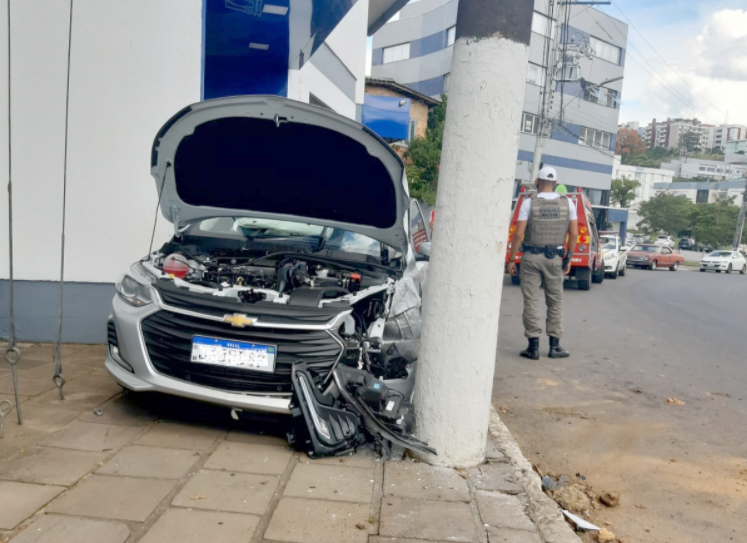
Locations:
{"points": [[12, 354], [59, 379]]}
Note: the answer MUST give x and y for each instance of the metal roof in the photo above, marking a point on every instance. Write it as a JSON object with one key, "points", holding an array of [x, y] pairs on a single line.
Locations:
{"points": [[404, 89]]}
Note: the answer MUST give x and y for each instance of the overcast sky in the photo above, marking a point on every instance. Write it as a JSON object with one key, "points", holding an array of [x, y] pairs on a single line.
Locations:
{"points": [[704, 42]]}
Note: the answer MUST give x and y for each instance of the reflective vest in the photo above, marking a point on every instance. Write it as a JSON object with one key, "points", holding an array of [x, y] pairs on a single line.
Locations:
{"points": [[548, 222]]}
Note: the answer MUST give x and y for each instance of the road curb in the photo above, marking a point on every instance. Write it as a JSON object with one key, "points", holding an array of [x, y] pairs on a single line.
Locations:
{"points": [[543, 511]]}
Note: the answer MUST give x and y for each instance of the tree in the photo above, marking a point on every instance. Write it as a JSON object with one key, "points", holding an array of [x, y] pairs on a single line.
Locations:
{"points": [[424, 155], [623, 191], [667, 213], [629, 144], [715, 223], [690, 141]]}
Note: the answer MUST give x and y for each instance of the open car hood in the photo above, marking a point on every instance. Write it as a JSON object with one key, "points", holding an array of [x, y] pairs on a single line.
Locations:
{"points": [[273, 158]]}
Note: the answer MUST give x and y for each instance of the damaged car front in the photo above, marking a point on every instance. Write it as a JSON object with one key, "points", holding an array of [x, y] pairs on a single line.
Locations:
{"points": [[293, 280]]}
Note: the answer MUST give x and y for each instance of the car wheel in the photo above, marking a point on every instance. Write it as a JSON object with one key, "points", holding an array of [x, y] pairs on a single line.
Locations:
{"points": [[728, 269], [701, 269], [515, 280], [652, 266], [597, 276], [584, 284], [743, 270], [675, 266], [718, 271], [622, 271]]}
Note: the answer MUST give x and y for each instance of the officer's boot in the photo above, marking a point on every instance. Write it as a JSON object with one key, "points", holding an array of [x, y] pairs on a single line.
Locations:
{"points": [[556, 351], [533, 350]]}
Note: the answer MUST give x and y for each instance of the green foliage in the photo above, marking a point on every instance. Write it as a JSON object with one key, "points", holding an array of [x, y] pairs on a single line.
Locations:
{"points": [[678, 215], [650, 158], [667, 213], [623, 191], [696, 179], [424, 157], [690, 141]]}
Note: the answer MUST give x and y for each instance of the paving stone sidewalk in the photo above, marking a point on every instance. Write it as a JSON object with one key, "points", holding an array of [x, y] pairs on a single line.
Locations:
{"points": [[155, 469]]}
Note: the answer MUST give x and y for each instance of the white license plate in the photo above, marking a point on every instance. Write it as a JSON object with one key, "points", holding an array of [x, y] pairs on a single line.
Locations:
{"points": [[234, 354]]}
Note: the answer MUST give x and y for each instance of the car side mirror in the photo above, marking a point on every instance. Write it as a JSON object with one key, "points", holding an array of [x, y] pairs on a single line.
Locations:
{"points": [[424, 250]]}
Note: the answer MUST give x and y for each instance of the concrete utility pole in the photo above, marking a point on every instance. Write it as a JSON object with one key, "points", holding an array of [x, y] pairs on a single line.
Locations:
{"points": [[740, 223], [463, 291]]}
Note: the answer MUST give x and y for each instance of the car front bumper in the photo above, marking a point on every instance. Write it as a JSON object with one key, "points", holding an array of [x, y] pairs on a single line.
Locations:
{"points": [[132, 349]]}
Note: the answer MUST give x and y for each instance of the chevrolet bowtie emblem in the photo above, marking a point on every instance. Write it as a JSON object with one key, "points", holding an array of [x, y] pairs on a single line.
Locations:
{"points": [[238, 320]]}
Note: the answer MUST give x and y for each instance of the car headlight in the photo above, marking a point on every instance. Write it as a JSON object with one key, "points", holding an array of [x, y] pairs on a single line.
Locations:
{"points": [[133, 292], [609, 256]]}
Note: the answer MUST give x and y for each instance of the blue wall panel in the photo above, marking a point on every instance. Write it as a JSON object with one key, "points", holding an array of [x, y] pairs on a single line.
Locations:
{"points": [[429, 87], [388, 116]]}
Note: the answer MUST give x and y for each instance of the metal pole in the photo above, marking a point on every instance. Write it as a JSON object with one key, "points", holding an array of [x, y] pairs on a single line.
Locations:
{"points": [[547, 91], [463, 293]]}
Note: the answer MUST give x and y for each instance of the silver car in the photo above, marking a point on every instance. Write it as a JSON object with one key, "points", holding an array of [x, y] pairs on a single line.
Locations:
{"points": [[295, 242]]}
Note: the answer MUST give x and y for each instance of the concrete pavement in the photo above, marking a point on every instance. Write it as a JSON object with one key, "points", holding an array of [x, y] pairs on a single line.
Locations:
{"points": [[157, 469]]}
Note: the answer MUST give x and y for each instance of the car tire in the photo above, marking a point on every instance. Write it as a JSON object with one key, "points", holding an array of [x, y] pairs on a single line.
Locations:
{"points": [[728, 269], [653, 265], [597, 276], [674, 266], [743, 270], [701, 269], [584, 284], [718, 271], [621, 273]]}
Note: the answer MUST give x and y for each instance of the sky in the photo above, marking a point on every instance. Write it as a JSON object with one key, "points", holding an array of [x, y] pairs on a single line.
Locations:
{"points": [[685, 58]]}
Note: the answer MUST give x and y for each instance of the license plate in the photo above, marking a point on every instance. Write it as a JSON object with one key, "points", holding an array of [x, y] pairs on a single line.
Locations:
{"points": [[234, 354]]}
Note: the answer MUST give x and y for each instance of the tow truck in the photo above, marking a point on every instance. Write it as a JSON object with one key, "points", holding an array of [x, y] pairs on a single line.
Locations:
{"points": [[587, 266]]}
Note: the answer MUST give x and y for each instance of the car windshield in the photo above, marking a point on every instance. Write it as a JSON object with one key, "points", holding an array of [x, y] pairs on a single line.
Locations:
{"points": [[720, 253], [663, 237], [608, 243], [294, 232], [647, 249]]}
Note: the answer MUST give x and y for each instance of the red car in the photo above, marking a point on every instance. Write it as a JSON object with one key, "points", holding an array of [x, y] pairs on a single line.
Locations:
{"points": [[654, 256]]}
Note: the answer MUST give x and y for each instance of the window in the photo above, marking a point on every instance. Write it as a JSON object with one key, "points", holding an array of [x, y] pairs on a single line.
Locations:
{"points": [[536, 75], [450, 36], [597, 95], [605, 51], [412, 132], [396, 53], [543, 25], [594, 138], [530, 124], [447, 80]]}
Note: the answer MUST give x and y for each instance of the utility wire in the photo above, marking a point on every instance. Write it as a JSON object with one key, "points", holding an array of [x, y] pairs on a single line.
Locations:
{"points": [[662, 58]]}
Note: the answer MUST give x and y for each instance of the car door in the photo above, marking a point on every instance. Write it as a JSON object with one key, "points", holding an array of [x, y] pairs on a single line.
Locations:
{"points": [[666, 257], [737, 261]]}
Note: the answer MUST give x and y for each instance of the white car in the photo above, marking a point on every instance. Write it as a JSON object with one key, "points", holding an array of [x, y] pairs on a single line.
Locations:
{"points": [[615, 255], [665, 241], [727, 261]]}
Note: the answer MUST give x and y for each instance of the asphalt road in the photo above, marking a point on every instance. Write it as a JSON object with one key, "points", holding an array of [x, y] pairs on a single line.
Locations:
{"points": [[635, 342]]}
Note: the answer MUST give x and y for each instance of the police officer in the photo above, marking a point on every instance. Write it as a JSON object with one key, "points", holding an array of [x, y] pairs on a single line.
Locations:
{"points": [[544, 221]]}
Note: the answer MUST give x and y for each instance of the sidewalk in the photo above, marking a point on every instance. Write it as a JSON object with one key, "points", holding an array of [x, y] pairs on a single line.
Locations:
{"points": [[156, 469]]}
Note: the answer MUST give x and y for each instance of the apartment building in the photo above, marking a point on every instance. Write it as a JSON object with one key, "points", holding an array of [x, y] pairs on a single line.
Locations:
{"points": [[416, 50], [715, 170], [668, 134], [721, 135]]}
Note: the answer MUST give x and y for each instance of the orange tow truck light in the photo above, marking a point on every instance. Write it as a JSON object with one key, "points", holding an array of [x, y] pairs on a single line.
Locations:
{"points": [[583, 230], [512, 229]]}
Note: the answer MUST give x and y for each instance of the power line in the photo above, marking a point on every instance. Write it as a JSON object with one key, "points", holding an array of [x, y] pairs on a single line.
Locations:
{"points": [[660, 79], [662, 58]]}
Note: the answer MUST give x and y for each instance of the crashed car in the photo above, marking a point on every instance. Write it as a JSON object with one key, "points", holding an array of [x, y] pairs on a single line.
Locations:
{"points": [[293, 280]]}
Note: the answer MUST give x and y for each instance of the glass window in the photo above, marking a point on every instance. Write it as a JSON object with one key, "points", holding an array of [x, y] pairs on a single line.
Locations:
{"points": [[596, 95], [543, 25], [447, 80], [536, 75], [396, 53], [530, 124], [450, 36], [594, 138], [605, 51], [413, 130]]}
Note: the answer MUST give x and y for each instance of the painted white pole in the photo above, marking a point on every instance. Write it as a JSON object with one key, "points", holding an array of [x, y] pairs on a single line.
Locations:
{"points": [[463, 293]]}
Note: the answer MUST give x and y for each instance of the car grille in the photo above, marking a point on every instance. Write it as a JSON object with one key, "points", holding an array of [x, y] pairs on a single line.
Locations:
{"points": [[168, 339], [111, 334]]}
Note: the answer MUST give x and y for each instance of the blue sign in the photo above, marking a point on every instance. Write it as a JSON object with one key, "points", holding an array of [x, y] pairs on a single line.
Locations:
{"points": [[388, 117]]}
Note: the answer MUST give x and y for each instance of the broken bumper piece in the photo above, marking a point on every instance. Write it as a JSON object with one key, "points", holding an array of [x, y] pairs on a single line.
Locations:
{"points": [[355, 408]]}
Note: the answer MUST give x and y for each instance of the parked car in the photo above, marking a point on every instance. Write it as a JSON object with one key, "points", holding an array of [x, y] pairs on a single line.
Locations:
{"points": [[705, 247], [727, 261], [654, 256], [285, 288], [615, 255], [687, 244], [665, 241]]}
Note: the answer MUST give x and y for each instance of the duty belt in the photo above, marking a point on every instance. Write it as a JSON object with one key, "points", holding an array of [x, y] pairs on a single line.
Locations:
{"points": [[549, 251]]}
